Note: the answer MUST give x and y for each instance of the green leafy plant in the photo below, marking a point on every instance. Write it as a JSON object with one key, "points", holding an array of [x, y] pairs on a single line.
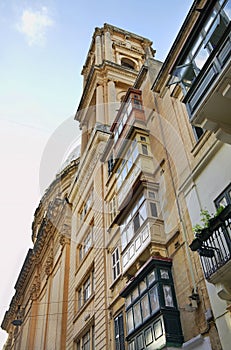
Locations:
{"points": [[219, 210], [205, 216], [197, 229], [205, 219]]}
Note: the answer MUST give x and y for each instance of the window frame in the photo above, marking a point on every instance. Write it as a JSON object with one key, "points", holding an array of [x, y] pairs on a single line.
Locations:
{"points": [[159, 283], [119, 332], [116, 266], [225, 194]]}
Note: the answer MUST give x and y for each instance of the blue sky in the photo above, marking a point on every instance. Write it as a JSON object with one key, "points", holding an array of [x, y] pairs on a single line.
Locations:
{"points": [[43, 48]]}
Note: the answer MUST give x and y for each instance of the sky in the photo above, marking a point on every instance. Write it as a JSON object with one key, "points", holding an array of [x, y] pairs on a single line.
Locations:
{"points": [[43, 49]]}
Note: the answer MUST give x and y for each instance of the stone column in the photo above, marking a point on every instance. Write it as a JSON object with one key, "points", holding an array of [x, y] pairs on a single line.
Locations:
{"points": [[84, 138], [98, 50], [99, 105], [147, 49], [108, 46], [118, 60], [112, 105]]}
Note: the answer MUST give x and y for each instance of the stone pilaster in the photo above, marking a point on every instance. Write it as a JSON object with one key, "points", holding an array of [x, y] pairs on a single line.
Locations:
{"points": [[98, 50], [100, 105], [108, 46], [111, 101]]}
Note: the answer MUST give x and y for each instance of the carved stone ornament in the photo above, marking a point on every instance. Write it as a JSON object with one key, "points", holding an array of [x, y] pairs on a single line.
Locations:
{"points": [[49, 263], [35, 288], [63, 240]]}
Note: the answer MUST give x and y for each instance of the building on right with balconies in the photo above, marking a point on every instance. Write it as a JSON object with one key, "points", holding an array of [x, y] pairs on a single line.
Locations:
{"points": [[197, 72]]}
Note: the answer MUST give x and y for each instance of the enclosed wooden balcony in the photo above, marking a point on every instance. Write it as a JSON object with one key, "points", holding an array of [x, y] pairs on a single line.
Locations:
{"points": [[209, 98]]}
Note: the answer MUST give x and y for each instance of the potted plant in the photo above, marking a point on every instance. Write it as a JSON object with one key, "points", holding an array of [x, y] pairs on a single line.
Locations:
{"points": [[196, 244], [203, 232]]}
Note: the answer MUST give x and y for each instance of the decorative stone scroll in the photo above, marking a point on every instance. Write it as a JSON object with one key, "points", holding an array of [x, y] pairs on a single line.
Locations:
{"points": [[49, 263]]}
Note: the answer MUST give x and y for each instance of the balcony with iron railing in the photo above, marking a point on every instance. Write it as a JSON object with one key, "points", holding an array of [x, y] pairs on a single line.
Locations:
{"points": [[208, 99], [203, 70], [213, 245]]}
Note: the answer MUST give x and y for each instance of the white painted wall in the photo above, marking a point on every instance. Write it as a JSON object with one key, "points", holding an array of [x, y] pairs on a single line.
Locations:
{"points": [[211, 181]]}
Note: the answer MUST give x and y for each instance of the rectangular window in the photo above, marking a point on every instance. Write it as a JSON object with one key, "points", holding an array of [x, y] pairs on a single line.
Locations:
{"points": [[130, 322], [110, 165], [137, 314], [148, 336], [88, 242], [224, 198], [140, 342], [136, 222], [153, 209], [168, 295], [131, 346], [87, 289], [154, 300], [144, 149], [112, 209], [79, 298], [145, 307], [86, 341], [115, 263], [119, 332]]}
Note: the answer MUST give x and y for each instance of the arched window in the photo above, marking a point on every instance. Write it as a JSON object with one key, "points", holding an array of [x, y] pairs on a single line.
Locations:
{"points": [[126, 62]]}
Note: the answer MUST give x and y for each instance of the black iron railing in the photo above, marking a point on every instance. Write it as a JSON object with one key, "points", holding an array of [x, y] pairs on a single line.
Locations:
{"points": [[215, 247]]}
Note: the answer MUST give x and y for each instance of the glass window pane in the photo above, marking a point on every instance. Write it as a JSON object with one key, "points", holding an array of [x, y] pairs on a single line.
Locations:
{"points": [[154, 300], [142, 285], [129, 232], [136, 222], [140, 342], [130, 322], [223, 202], [164, 274], [135, 293], [200, 58], [168, 295], [137, 314], [227, 10], [196, 45], [158, 330], [210, 20], [124, 239], [128, 300], [151, 277], [153, 209], [145, 149], [143, 213], [131, 346], [148, 336], [151, 194], [216, 31], [145, 307]]}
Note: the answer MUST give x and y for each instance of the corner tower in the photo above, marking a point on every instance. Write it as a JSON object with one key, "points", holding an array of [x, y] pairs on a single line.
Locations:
{"points": [[112, 64]]}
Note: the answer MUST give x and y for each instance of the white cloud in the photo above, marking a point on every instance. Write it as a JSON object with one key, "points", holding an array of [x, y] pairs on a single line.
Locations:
{"points": [[34, 24]]}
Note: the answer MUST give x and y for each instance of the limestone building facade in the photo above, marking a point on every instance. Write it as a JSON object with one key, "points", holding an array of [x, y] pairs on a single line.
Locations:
{"points": [[130, 272], [37, 315]]}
